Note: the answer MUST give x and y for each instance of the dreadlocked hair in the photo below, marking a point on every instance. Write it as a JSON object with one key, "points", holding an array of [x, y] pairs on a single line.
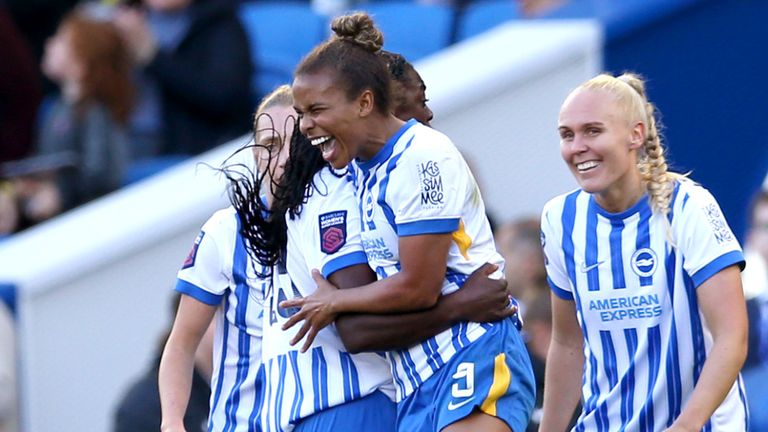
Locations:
{"points": [[298, 181], [244, 191]]}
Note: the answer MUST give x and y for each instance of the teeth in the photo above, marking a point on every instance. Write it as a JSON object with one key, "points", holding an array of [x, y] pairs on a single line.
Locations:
{"points": [[586, 165], [320, 140]]}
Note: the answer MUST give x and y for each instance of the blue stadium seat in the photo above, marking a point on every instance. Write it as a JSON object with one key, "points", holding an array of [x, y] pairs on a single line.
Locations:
{"points": [[280, 33], [480, 16], [412, 29]]}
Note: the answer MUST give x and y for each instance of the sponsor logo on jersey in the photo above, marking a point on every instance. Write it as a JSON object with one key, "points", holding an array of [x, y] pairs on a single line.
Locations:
{"points": [[644, 262], [190, 261], [432, 195], [543, 250], [333, 231], [627, 307], [716, 220]]}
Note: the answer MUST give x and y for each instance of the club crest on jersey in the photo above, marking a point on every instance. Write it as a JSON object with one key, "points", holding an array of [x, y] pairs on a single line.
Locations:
{"points": [[644, 262], [432, 195], [190, 261], [333, 231]]}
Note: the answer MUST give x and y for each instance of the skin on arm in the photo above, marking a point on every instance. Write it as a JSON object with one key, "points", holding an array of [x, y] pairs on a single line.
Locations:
{"points": [[565, 362], [481, 299], [423, 260], [721, 300], [177, 364]]}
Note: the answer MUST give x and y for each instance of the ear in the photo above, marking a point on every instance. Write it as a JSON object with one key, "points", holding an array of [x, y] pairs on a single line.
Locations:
{"points": [[365, 103], [637, 136]]}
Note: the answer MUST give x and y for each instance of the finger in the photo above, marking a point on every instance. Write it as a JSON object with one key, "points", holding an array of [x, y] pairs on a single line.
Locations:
{"points": [[310, 338], [487, 269], [296, 302], [302, 331], [293, 319], [317, 276]]}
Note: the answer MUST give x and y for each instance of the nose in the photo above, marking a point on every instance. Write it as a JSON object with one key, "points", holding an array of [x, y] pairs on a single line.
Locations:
{"points": [[578, 145], [305, 125]]}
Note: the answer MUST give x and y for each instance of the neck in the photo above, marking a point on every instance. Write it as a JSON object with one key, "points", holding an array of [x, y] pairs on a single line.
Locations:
{"points": [[622, 195], [382, 130]]}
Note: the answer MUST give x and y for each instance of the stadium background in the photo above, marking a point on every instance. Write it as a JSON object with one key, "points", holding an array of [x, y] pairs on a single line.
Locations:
{"points": [[90, 289]]}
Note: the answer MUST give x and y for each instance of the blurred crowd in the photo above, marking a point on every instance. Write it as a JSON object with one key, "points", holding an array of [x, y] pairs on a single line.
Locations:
{"points": [[97, 95]]}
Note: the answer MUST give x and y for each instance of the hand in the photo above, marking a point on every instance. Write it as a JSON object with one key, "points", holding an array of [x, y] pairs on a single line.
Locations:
{"points": [[482, 299], [133, 27], [316, 311]]}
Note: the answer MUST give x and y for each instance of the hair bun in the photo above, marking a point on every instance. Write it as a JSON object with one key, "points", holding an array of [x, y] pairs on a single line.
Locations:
{"points": [[359, 28], [634, 81]]}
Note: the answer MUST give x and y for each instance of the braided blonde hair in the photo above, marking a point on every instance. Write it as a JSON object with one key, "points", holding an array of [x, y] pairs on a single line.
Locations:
{"points": [[629, 90]]}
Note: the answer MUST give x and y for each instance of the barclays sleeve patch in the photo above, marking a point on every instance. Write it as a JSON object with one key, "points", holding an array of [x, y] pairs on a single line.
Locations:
{"points": [[333, 231], [190, 261]]}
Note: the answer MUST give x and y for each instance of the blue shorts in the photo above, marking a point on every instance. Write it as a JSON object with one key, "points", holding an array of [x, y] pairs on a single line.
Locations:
{"points": [[492, 375], [374, 413]]}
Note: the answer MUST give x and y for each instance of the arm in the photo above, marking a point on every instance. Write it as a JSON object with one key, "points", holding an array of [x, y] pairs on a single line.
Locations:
{"points": [[417, 285], [565, 360], [481, 299], [177, 363], [721, 300]]}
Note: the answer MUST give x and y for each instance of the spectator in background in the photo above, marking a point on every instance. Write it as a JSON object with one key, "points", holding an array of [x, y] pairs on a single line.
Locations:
{"points": [[20, 91], [139, 408], [195, 74], [83, 148], [519, 242]]}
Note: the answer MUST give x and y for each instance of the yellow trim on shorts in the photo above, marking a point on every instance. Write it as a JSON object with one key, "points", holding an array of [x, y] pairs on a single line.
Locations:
{"points": [[501, 379]]}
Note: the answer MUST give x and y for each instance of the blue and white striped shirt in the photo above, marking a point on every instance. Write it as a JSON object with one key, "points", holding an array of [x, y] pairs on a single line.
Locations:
{"points": [[419, 184], [645, 339], [219, 272], [326, 236]]}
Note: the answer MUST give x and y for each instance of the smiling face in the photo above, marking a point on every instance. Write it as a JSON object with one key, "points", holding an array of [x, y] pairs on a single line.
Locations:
{"points": [[599, 144], [273, 134], [328, 118]]}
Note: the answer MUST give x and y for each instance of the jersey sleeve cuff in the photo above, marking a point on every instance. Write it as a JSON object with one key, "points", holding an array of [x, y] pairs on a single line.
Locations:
{"points": [[726, 260], [198, 293], [563, 294], [348, 260], [429, 226]]}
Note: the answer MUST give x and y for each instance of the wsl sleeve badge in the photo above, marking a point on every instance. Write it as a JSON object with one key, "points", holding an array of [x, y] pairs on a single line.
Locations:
{"points": [[333, 231], [190, 261]]}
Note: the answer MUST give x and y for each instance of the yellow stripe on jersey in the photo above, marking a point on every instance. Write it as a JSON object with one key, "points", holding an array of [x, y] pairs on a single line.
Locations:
{"points": [[501, 379], [462, 240]]}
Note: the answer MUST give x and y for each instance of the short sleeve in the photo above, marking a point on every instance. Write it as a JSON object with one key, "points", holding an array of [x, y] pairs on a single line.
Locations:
{"points": [[426, 190], [706, 242], [551, 239], [334, 230], [203, 274]]}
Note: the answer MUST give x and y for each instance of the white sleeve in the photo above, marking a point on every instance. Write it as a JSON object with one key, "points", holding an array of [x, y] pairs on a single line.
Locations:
{"points": [[426, 190], [551, 239], [203, 274], [703, 236], [333, 233]]}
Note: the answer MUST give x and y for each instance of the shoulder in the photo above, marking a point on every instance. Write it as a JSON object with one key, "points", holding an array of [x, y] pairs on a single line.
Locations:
{"points": [[691, 197], [223, 222], [555, 206], [426, 139]]}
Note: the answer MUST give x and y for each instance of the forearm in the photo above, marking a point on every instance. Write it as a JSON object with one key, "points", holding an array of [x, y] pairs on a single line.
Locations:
{"points": [[396, 293], [390, 332], [562, 385], [717, 377], [175, 382]]}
